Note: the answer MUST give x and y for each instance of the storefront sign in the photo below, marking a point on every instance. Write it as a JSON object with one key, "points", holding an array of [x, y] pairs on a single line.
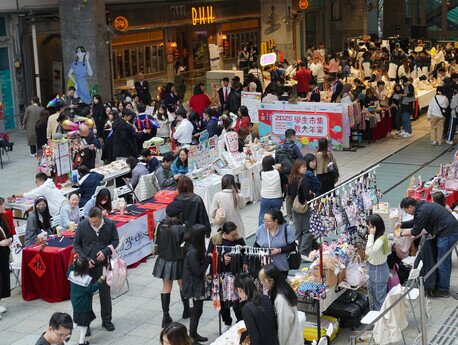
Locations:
{"points": [[202, 15], [303, 4], [268, 59], [121, 23], [311, 121]]}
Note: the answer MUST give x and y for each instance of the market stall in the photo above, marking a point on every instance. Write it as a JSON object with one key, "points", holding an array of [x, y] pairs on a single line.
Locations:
{"points": [[44, 267]]}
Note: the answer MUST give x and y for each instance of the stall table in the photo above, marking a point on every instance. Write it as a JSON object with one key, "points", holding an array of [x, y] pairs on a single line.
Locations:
{"points": [[383, 127], [44, 271], [422, 100]]}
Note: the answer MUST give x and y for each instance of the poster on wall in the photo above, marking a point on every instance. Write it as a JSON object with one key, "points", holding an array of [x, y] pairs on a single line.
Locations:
{"points": [[57, 77], [252, 100], [214, 56], [311, 121]]}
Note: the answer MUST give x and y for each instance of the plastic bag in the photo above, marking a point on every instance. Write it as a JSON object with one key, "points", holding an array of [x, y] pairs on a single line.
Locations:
{"points": [[394, 278], [356, 272], [117, 271]]}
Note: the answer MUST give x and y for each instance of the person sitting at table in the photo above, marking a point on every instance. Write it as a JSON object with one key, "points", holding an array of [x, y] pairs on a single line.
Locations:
{"points": [[439, 198], [87, 184], [151, 162], [59, 330], [138, 170], [6, 238], [70, 211], [92, 238], [102, 200], [164, 175], [39, 220], [192, 206], [46, 188], [180, 164]]}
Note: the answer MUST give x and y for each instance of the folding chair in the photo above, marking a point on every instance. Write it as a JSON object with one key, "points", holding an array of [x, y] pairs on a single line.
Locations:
{"points": [[120, 251], [415, 292], [369, 318], [16, 260], [123, 190], [55, 221]]}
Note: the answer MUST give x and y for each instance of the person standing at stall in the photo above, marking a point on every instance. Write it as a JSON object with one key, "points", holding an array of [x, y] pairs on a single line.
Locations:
{"points": [[31, 117], [284, 300], [142, 89], [377, 250], [303, 77], [437, 110], [326, 166], [438, 222], [407, 106]]}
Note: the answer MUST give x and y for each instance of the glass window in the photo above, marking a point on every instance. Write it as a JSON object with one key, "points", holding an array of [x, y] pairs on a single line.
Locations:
{"points": [[2, 26], [238, 40]]}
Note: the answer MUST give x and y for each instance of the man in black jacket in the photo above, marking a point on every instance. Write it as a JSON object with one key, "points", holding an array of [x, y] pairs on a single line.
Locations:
{"points": [[92, 238], [142, 89], [337, 87], [123, 137], [87, 184], [235, 98], [438, 222]]}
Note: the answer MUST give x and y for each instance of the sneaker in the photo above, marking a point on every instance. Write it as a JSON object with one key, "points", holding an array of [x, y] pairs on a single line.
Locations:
{"points": [[406, 135], [2, 309], [433, 143], [440, 293], [450, 142], [225, 328]]}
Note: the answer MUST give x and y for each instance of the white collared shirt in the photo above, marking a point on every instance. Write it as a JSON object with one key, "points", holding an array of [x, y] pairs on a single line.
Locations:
{"points": [[183, 133]]}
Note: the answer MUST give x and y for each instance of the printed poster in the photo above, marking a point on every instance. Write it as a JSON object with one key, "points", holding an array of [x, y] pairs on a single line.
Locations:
{"points": [[252, 100]]}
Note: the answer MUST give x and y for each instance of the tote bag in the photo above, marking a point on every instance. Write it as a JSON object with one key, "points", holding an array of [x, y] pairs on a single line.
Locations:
{"points": [[394, 278], [117, 271]]}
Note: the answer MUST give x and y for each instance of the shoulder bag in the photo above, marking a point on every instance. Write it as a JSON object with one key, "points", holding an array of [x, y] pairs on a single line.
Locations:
{"points": [[297, 206], [294, 258]]}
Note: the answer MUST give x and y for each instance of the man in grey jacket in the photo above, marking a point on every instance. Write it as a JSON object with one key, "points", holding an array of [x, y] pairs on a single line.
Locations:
{"points": [[164, 175], [92, 238]]}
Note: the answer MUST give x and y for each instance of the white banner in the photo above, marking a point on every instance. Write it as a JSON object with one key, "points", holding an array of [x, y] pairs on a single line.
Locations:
{"points": [[252, 100], [137, 244]]}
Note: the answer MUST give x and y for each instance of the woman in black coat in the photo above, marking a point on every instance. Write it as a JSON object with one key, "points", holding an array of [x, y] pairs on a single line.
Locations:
{"points": [[195, 266], [99, 115], [123, 136], [169, 263], [6, 239], [40, 129], [192, 206], [258, 312]]}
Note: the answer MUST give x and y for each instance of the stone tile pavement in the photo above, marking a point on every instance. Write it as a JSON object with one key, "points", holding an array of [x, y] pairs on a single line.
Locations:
{"points": [[137, 314]]}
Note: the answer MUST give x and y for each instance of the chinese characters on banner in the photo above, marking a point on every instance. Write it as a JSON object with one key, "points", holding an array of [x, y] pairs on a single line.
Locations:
{"points": [[311, 121], [37, 265]]}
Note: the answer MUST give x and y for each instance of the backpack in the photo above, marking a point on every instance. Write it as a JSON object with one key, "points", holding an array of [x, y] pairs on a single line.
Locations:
{"points": [[284, 154]]}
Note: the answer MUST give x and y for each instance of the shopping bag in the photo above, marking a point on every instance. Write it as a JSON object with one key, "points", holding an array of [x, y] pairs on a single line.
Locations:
{"points": [[116, 271], [394, 278], [356, 272]]}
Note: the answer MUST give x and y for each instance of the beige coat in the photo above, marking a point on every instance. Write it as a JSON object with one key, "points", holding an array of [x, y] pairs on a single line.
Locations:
{"points": [[32, 114], [52, 125], [289, 329], [224, 200], [322, 163]]}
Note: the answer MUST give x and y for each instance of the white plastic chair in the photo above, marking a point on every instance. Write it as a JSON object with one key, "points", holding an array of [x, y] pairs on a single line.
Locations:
{"points": [[370, 317], [123, 190], [55, 221], [16, 260]]}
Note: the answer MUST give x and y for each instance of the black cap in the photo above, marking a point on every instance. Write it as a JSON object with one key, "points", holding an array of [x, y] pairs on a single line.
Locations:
{"points": [[173, 209]]}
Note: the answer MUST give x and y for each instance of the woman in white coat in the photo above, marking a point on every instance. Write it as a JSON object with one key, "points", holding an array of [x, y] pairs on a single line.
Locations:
{"points": [[284, 299], [231, 201]]}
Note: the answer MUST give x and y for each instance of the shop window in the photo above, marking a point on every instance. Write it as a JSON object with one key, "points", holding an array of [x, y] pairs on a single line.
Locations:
{"points": [[238, 40], [128, 62]]}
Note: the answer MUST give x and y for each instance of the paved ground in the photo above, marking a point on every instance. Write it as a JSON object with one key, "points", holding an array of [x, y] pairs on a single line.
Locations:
{"points": [[137, 314]]}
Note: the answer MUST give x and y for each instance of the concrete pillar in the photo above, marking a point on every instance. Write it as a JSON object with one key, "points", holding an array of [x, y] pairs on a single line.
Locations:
{"points": [[444, 17], [414, 12], [423, 13], [85, 51]]}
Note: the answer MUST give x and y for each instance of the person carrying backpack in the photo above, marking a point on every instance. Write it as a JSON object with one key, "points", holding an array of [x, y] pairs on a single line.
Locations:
{"points": [[286, 154]]}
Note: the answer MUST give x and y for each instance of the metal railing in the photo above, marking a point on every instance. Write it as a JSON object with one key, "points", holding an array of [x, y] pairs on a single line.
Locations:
{"points": [[422, 297]]}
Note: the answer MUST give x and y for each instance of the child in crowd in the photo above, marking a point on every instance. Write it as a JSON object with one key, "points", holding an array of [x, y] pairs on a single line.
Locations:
{"points": [[377, 250], [81, 291]]}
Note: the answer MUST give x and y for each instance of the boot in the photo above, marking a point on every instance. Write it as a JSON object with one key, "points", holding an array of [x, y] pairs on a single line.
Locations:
{"points": [[193, 324], [165, 301], [186, 309]]}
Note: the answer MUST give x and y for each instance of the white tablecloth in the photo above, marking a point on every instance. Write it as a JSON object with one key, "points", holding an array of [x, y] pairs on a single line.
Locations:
{"points": [[424, 97]]}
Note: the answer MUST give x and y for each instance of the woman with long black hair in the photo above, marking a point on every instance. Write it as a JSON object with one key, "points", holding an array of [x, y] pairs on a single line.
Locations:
{"points": [[169, 263], [285, 301], [326, 172], [196, 263], [257, 312], [39, 219], [99, 115]]}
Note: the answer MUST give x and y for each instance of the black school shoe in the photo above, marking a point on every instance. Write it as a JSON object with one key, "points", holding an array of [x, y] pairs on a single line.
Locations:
{"points": [[440, 293], [108, 325]]}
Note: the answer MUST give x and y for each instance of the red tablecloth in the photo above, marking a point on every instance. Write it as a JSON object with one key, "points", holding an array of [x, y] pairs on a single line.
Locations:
{"points": [[450, 198], [383, 127], [44, 273]]}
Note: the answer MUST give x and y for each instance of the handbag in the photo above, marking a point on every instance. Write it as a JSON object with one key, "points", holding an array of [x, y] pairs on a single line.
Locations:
{"points": [[294, 258], [394, 278], [117, 270], [356, 272], [297, 206], [220, 216]]}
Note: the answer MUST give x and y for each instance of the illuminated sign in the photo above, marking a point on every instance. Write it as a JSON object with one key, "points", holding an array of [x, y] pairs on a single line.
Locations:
{"points": [[268, 59], [121, 23], [202, 15], [303, 4]]}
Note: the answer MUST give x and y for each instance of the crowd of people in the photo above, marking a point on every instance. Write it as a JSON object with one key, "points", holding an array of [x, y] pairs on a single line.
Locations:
{"points": [[381, 77]]}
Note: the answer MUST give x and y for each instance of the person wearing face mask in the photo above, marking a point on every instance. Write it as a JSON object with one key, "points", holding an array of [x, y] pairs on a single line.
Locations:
{"points": [[38, 220], [92, 238], [70, 212]]}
